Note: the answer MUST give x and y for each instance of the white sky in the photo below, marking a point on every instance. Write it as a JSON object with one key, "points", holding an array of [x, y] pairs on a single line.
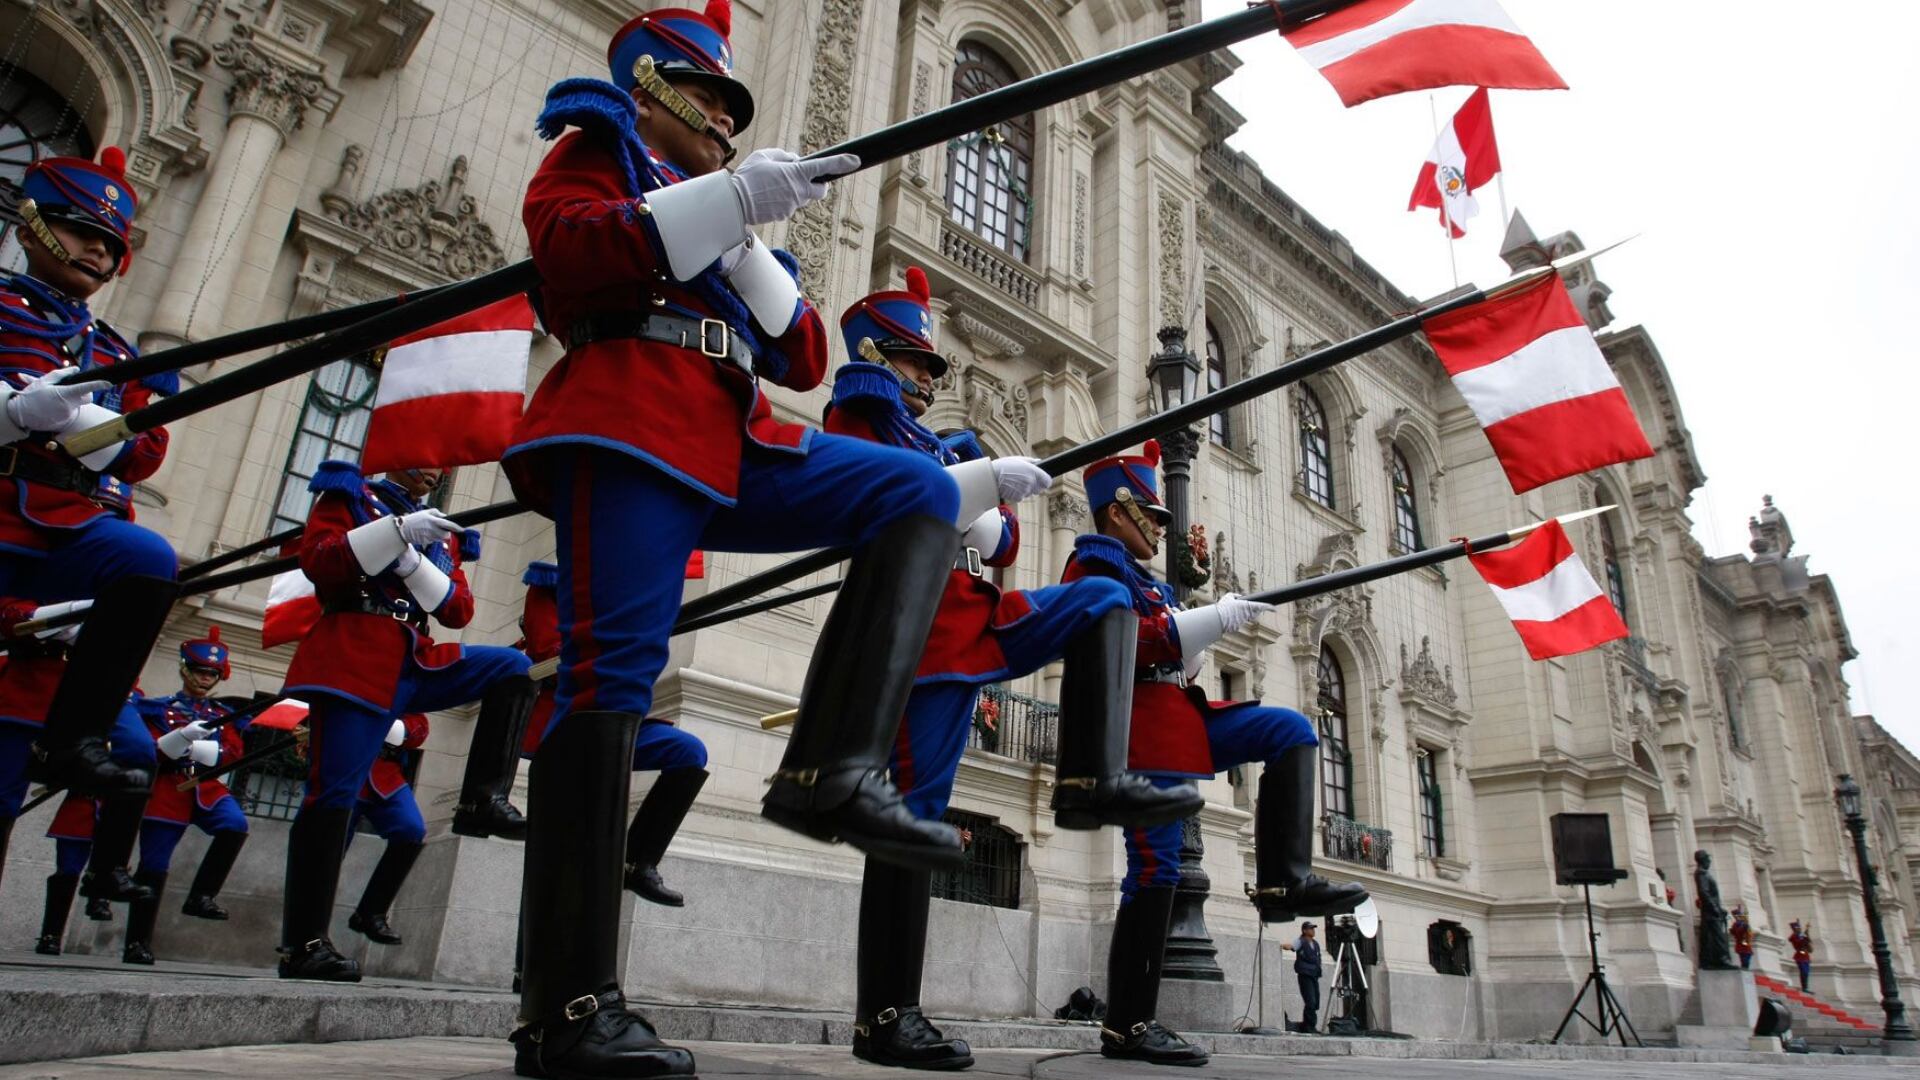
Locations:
{"points": [[1770, 155]]}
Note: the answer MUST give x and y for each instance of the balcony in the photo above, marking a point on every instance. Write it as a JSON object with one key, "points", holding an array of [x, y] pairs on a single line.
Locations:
{"points": [[1014, 725], [989, 264], [1350, 841]]}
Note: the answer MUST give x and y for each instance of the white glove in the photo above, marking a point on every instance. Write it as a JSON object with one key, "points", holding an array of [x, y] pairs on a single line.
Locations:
{"points": [[397, 734], [773, 183], [408, 562], [429, 526], [60, 633], [1020, 478], [1202, 626], [204, 752], [1237, 612], [47, 403], [176, 742]]}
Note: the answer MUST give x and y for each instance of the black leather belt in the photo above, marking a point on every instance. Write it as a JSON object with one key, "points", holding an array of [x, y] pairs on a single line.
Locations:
{"points": [[708, 337], [41, 469], [1175, 676], [367, 605]]}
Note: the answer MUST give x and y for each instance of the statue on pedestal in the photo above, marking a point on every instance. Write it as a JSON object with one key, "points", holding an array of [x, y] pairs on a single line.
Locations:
{"points": [[1716, 945]]}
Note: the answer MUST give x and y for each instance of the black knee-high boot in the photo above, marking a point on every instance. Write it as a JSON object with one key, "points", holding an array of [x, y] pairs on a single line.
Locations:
{"points": [[1285, 887], [53, 922], [142, 915], [654, 826], [574, 1019], [1096, 716], [370, 915], [315, 846], [832, 784], [115, 831], [493, 757], [215, 865], [1133, 985], [102, 666], [889, 1027]]}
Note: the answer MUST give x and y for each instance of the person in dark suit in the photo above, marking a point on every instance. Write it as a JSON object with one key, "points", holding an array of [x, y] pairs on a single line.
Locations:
{"points": [[1306, 965]]}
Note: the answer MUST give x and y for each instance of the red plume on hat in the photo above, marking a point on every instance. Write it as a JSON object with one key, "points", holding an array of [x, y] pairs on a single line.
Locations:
{"points": [[114, 160], [1151, 452], [917, 284], [720, 13]]}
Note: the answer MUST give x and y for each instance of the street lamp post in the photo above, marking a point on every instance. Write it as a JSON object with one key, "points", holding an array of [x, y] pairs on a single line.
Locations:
{"points": [[1175, 371], [1896, 1038]]}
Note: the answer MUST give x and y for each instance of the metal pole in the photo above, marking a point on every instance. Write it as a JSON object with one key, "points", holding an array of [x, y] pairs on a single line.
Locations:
{"points": [[1896, 1038]]}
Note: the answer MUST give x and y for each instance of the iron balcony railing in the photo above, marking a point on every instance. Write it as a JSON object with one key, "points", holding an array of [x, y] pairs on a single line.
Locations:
{"points": [[1014, 725], [1351, 841]]}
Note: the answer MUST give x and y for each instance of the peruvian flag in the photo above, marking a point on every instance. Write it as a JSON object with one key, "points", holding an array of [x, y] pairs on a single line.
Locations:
{"points": [[1554, 603], [1464, 158], [1379, 47], [283, 715], [452, 393], [1533, 375], [292, 609]]}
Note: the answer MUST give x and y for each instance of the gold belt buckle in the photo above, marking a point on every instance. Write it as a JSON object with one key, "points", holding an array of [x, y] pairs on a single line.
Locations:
{"points": [[721, 351]]}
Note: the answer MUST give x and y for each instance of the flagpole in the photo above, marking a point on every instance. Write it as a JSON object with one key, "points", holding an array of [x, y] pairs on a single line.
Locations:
{"points": [[1446, 220]]}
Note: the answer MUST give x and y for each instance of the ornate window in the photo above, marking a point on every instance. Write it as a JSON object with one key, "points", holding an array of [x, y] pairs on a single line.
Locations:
{"points": [[1336, 755], [1433, 822], [1220, 424], [990, 172], [333, 424], [35, 123], [1616, 576], [1316, 449], [989, 871], [1406, 506]]}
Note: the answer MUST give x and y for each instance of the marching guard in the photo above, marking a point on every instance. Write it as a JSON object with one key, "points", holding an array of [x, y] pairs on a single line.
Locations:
{"points": [[382, 565], [388, 804], [1179, 735], [62, 549], [191, 731], [653, 426], [980, 635]]}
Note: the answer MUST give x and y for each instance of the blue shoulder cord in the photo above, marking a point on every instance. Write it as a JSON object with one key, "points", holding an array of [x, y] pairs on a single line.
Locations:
{"points": [[1149, 596]]}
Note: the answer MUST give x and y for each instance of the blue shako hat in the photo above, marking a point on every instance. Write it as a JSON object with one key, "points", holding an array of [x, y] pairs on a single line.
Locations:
{"points": [[896, 321], [90, 195], [207, 652], [1135, 473], [685, 44]]}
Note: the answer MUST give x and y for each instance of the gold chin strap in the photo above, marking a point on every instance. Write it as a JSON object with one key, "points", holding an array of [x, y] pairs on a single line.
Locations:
{"points": [[1148, 526], [648, 78], [30, 213], [871, 354]]}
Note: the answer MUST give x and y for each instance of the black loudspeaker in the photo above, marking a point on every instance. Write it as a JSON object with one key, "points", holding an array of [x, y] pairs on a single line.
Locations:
{"points": [[1583, 850]]}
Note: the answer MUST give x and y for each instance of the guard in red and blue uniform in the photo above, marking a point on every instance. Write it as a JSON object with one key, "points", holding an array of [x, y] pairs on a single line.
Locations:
{"points": [[382, 565], [653, 429], [981, 635], [387, 803], [71, 831], [192, 731], [1178, 735], [61, 549]]}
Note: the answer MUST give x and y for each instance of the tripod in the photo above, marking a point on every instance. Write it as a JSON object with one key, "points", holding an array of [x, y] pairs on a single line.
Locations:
{"points": [[1349, 982], [1613, 1018]]}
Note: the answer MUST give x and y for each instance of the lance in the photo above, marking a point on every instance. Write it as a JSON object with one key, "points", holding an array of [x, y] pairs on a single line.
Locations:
{"points": [[240, 554], [300, 735], [1346, 579], [398, 318]]}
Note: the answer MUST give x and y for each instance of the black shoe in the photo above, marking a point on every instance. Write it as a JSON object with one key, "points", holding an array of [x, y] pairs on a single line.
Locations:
{"points": [[654, 826], [103, 664], [86, 768], [48, 945], [53, 922], [862, 807], [203, 907], [142, 916], [645, 882], [905, 1039], [1124, 799], [112, 886], [374, 927], [1286, 887], [492, 817], [136, 952], [318, 959], [596, 1036], [99, 911], [1151, 1042]]}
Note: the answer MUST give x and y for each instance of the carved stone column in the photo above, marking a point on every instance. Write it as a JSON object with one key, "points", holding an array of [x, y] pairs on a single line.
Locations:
{"points": [[1067, 517], [273, 87]]}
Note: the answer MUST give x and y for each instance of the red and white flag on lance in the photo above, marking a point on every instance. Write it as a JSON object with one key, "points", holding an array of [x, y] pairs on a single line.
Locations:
{"points": [[283, 715], [1533, 375], [292, 609], [452, 393], [1546, 590], [1379, 47], [1465, 157]]}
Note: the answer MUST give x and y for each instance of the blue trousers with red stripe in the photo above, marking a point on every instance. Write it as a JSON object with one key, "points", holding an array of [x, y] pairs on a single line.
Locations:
{"points": [[661, 746], [625, 530], [71, 856], [347, 735], [158, 838], [1237, 735], [933, 735], [396, 817]]}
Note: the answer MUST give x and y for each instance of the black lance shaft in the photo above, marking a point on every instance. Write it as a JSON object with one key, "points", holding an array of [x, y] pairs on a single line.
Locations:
{"points": [[239, 554], [252, 710]]}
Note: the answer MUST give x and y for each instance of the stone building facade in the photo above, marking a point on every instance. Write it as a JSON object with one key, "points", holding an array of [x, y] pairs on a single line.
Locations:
{"points": [[294, 156]]}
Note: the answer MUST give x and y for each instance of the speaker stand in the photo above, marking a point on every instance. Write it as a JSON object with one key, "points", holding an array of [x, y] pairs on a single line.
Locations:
{"points": [[1613, 1020]]}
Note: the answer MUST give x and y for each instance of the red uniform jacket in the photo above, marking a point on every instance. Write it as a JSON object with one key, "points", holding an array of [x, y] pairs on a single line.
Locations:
{"points": [[29, 674], [28, 511], [962, 646], [389, 769], [674, 408], [168, 802], [1169, 734], [1802, 946], [350, 653]]}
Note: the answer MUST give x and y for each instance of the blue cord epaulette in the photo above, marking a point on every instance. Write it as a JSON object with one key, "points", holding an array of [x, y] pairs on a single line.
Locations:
{"points": [[470, 545], [787, 259], [964, 445], [865, 383], [593, 105], [340, 477], [541, 575], [1099, 547]]}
